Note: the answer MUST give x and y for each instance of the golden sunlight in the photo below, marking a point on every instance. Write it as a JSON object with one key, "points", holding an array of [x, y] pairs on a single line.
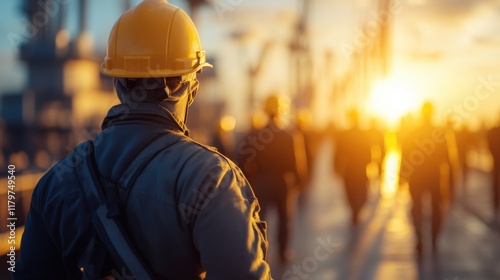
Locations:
{"points": [[392, 98], [390, 178]]}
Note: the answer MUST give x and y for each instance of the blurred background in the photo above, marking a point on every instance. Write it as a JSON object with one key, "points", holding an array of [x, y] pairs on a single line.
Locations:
{"points": [[382, 58]]}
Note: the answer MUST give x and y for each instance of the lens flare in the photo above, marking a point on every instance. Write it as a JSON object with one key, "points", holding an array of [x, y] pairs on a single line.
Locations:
{"points": [[392, 98]]}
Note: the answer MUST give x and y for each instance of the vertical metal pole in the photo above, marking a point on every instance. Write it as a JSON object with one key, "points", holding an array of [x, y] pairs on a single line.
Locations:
{"points": [[126, 5], [82, 17]]}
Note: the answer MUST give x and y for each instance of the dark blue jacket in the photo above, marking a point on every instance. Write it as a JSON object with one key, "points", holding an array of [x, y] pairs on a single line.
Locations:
{"points": [[191, 213]]}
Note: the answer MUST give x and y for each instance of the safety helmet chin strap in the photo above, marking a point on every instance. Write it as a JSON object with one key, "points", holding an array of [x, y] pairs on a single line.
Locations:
{"points": [[192, 92]]}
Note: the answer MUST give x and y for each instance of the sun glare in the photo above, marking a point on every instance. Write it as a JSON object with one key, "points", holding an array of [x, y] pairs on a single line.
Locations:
{"points": [[391, 99]]}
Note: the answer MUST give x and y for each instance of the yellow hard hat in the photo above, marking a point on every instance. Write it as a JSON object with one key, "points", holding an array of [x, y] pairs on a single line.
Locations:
{"points": [[277, 104], [154, 39]]}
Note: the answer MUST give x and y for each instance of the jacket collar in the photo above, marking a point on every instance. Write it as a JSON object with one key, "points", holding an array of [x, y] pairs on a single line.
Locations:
{"points": [[144, 111]]}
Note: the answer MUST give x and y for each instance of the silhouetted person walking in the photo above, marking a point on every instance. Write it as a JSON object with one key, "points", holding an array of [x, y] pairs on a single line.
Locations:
{"points": [[273, 168], [494, 146], [352, 155], [423, 152], [465, 143]]}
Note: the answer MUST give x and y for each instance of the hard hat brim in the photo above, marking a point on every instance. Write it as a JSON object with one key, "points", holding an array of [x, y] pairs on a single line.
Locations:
{"points": [[121, 73]]}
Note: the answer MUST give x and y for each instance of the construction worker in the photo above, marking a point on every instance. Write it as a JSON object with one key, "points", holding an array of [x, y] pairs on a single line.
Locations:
{"points": [[423, 153], [352, 155], [190, 213], [493, 139], [274, 168]]}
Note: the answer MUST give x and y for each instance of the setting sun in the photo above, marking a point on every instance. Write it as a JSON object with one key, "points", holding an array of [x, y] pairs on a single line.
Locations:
{"points": [[392, 98]]}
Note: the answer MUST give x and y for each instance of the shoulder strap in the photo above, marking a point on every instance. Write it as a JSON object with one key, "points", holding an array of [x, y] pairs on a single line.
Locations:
{"points": [[104, 211], [143, 159]]}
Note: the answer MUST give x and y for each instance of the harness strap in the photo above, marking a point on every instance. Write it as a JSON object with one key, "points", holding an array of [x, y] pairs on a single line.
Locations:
{"points": [[143, 159], [102, 201]]}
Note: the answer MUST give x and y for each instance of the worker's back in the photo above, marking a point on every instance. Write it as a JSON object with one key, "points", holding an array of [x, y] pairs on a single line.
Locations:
{"points": [[186, 214]]}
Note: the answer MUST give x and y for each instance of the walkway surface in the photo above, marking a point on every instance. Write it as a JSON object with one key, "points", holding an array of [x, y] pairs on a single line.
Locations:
{"points": [[382, 247]]}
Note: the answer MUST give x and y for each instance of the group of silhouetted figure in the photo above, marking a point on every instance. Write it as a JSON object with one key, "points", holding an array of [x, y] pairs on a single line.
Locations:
{"points": [[434, 163], [278, 159]]}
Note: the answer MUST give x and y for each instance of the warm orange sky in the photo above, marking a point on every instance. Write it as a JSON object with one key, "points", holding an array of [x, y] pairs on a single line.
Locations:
{"points": [[444, 50], [453, 47]]}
